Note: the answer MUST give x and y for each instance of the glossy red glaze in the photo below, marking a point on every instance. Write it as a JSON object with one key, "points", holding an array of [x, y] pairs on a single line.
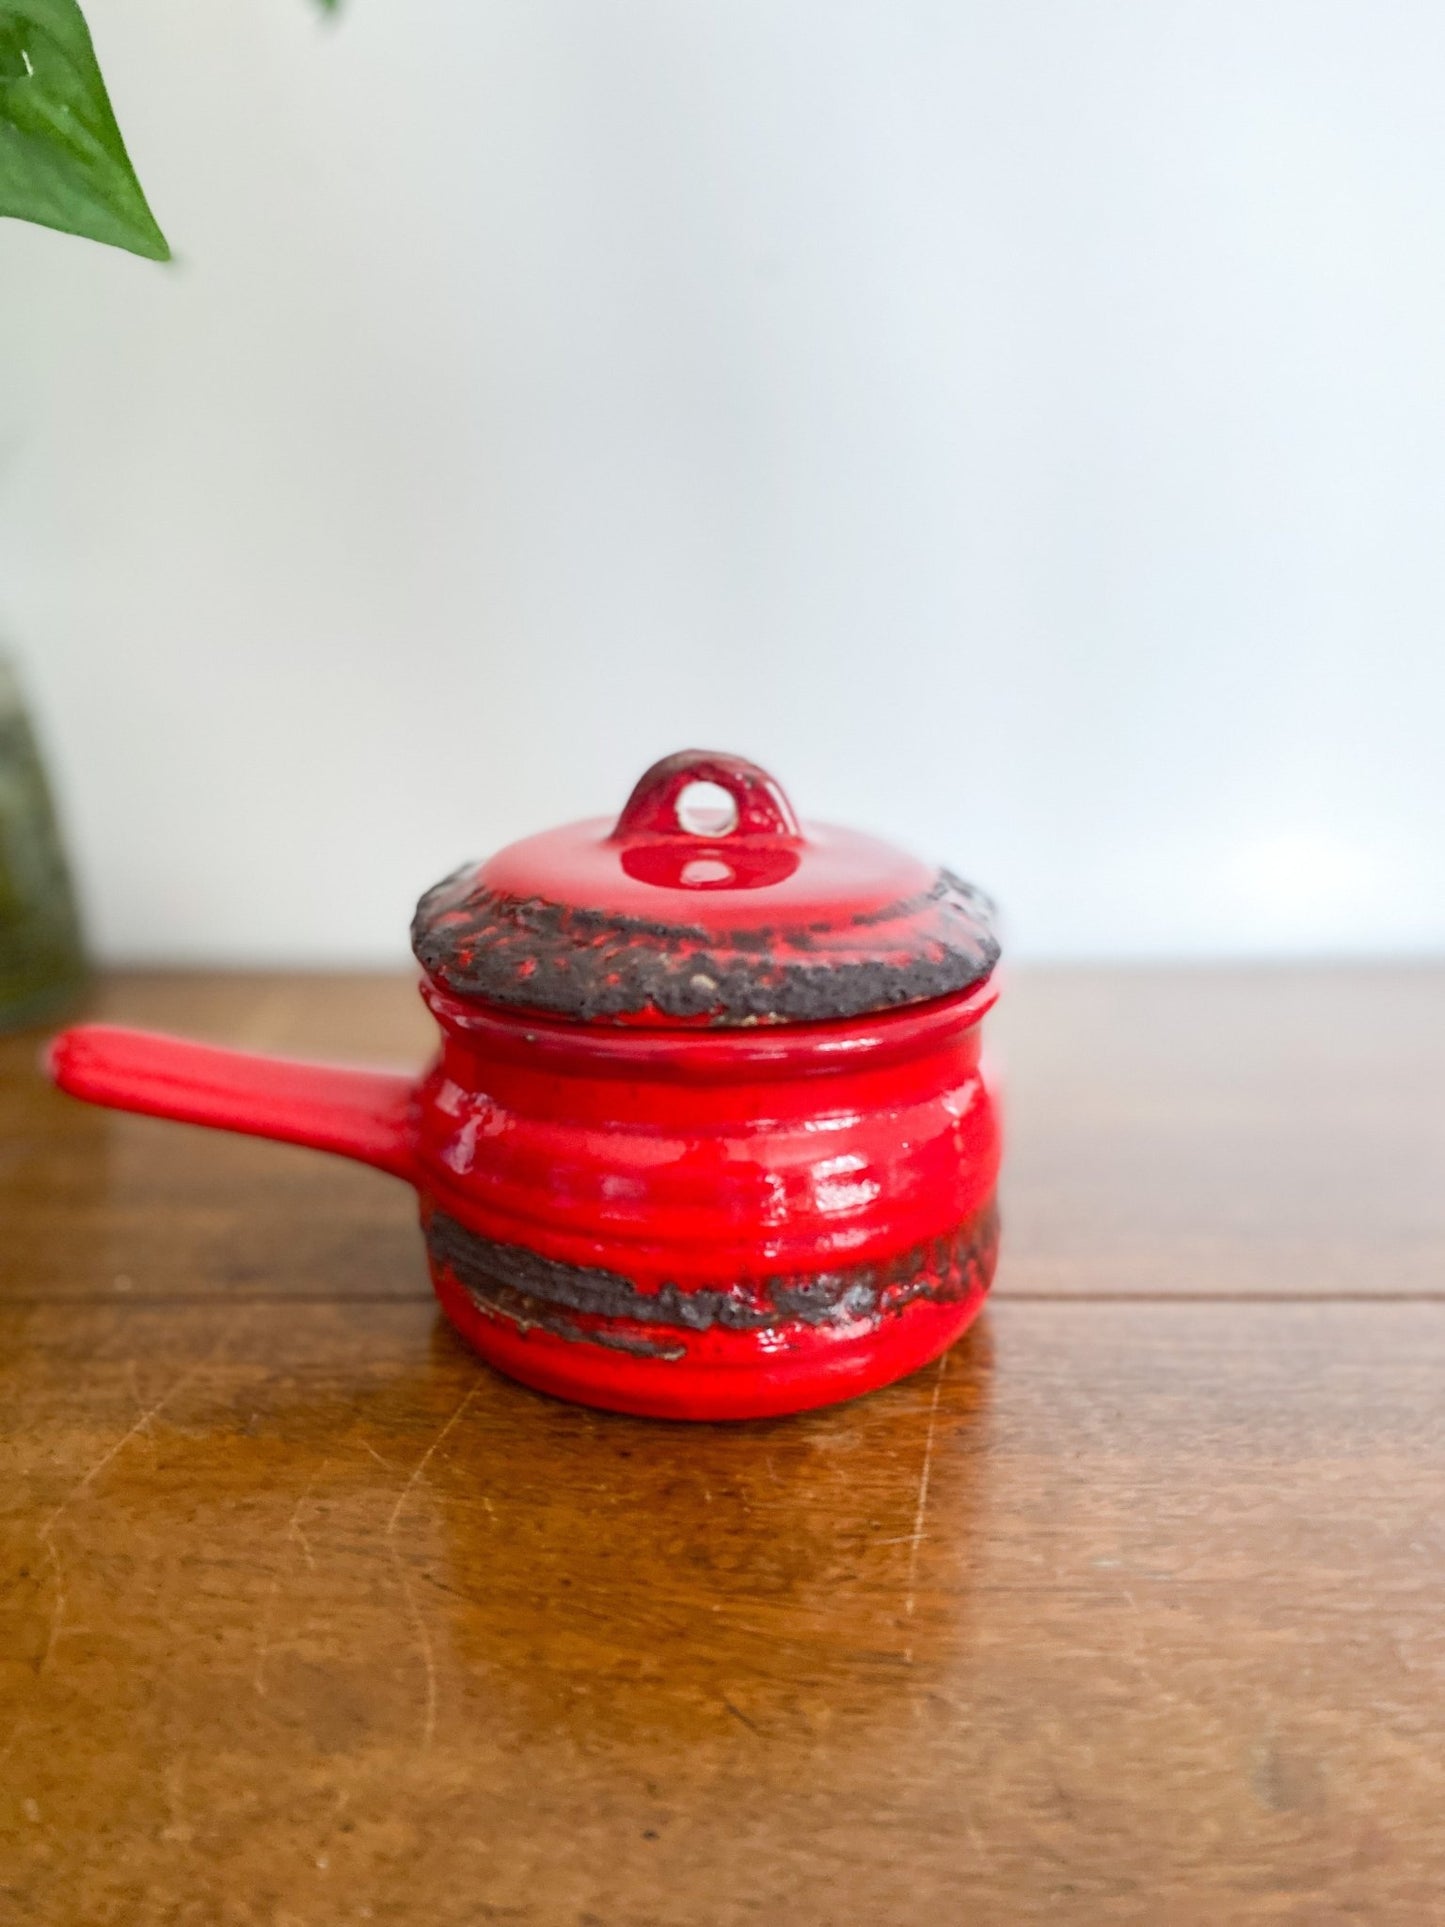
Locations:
{"points": [[726, 925], [366, 1115], [685, 1223], [662, 1159]]}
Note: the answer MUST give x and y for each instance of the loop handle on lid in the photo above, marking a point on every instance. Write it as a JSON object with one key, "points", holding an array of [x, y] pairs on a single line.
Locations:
{"points": [[655, 805]]}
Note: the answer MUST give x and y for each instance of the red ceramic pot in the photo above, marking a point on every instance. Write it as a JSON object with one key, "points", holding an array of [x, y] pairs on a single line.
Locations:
{"points": [[706, 1136]]}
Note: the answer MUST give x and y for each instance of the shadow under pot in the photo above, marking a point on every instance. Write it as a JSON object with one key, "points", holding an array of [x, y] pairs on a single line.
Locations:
{"points": [[706, 1136]]}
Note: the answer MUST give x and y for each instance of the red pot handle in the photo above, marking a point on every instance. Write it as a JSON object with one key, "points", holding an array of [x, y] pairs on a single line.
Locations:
{"points": [[367, 1115], [652, 809]]}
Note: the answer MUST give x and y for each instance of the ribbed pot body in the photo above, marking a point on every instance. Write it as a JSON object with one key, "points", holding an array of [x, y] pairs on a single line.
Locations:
{"points": [[703, 1224]]}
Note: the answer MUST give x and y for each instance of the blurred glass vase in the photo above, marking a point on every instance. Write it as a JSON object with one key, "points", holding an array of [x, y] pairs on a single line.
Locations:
{"points": [[42, 964]]}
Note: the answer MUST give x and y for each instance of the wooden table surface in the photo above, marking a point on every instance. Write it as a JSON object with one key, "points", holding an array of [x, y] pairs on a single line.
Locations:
{"points": [[1130, 1611]]}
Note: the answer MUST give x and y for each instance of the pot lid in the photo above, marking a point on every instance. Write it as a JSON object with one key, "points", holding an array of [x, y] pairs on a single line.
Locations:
{"points": [[705, 903]]}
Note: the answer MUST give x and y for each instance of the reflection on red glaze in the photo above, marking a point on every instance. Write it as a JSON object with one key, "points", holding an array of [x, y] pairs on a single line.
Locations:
{"points": [[664, 1159], [736, 865], [806, 1161]]}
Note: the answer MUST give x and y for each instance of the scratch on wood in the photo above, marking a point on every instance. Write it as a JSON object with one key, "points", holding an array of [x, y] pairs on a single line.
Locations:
{"points": [[740, 1715], [1398, 1652], [46, 1531], [263, 1637], [175, 1783], [133, 1381], [430, 1453], [293, 1530], [151, 1412], [915, 1538], [423, 1637], [57, 1608], [1166, 1695]]}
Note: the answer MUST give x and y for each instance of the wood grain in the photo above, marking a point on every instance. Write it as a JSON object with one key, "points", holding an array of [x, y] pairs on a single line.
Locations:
{"points": [[1128, 1613]]}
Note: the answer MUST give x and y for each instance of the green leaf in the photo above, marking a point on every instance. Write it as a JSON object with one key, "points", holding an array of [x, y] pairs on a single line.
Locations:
{"points": [[63, 163]]}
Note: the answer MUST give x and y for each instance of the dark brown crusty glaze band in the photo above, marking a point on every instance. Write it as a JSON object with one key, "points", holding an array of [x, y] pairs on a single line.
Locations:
{"points": [[590, 965], [535, 1292]]}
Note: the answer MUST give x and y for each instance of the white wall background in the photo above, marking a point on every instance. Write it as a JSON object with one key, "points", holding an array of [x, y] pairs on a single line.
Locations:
{"points": [[1022, 425]]}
